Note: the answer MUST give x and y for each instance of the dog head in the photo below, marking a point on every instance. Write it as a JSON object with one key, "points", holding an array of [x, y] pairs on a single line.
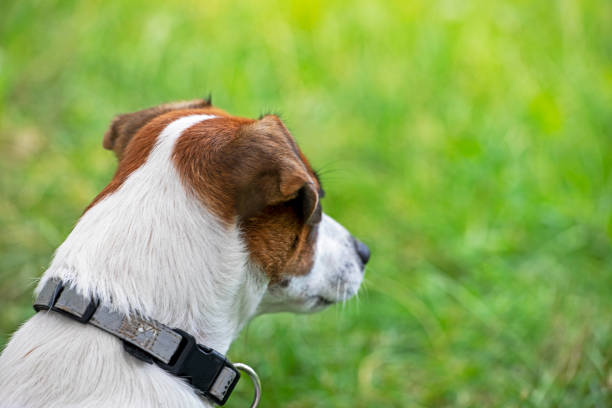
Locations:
{"points": [[252, 174]]}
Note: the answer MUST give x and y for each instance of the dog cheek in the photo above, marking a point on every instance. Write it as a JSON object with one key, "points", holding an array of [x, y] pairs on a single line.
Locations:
{"points": [[280, 243]]}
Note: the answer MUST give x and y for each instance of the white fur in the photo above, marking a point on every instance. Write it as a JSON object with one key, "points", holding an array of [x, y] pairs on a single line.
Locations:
{"points": [[152, 248]]}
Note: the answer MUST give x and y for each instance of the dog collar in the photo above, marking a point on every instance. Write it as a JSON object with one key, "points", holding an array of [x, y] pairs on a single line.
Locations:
{"points": [[174, 350]]}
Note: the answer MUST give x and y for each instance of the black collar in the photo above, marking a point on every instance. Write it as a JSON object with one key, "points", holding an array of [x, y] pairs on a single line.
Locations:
{"points": [[174, 350]]}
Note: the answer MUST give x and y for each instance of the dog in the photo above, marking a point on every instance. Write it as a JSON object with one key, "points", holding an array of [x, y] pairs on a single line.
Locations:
{"points": [[209, 221]]}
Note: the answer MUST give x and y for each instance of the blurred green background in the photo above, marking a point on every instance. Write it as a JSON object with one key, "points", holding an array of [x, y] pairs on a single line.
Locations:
{"points": [[469, 143]]}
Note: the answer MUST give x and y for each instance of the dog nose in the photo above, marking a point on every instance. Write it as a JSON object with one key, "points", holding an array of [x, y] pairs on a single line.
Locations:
{"points": [[362, 250]]}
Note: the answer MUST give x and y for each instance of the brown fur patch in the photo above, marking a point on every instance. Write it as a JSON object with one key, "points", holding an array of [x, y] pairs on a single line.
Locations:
{"points": [[124, 127], [280, 242], [139, 145]]}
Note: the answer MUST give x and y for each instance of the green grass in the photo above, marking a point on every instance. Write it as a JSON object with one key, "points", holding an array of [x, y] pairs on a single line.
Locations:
{"points": [[468, 143]]}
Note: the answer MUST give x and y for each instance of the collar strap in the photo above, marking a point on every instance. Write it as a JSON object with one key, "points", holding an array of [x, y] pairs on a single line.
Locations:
{"points": [[174, 350]]}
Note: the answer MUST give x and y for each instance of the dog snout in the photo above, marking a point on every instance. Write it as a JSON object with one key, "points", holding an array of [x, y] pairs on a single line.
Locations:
{"points": [[362, 250]]}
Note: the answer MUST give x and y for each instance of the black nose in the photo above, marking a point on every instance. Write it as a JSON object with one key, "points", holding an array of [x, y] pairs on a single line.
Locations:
{"points": [[362, 250]]}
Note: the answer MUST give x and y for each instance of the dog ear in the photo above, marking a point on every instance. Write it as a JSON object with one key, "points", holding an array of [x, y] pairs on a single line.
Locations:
{"points": [[273, 172], [124, 127]]}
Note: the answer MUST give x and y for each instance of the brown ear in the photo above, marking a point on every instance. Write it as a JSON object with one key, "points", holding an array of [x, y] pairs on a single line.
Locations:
{"points": [[124, 127], [273, 171]]}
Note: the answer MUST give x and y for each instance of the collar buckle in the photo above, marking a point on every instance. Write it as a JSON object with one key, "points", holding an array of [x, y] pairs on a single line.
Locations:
{"points": [[206, 370]]}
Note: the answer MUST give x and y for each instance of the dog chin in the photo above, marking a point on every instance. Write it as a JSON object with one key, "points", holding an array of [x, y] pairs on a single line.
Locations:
{"points": [[316, 304], [281, 299]]}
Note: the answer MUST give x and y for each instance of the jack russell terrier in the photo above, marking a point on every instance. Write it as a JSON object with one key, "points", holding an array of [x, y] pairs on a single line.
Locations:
{"points": [[209, 220]]}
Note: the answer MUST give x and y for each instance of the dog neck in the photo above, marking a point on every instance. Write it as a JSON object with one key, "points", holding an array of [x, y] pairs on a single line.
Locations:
{"points": [[152, 248]]}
